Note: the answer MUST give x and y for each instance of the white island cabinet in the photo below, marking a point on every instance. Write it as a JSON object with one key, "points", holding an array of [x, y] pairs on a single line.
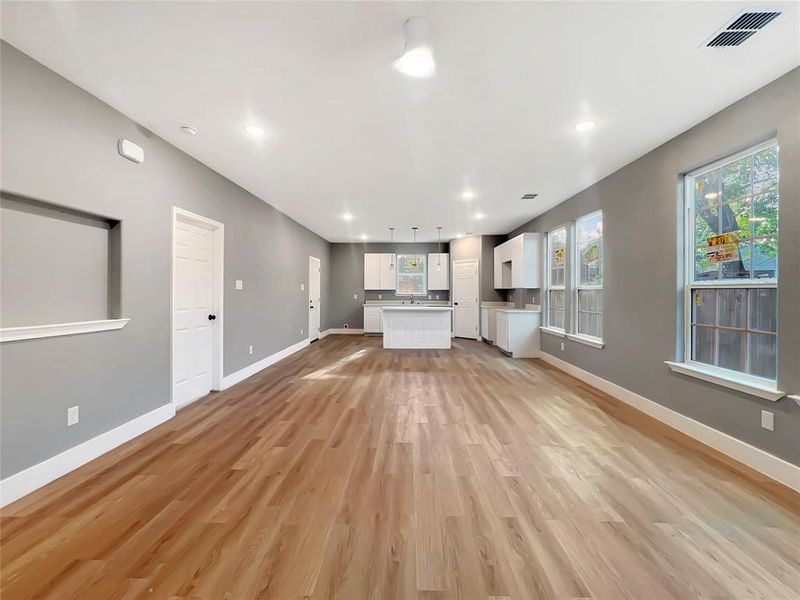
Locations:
{"points": [[410, 326]]}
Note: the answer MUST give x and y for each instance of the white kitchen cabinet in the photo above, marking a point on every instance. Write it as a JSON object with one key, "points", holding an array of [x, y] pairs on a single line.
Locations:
{"points": [[517, 262], [379, 269], [485, 324], [438, 271], [517, 332], [373, 319]]}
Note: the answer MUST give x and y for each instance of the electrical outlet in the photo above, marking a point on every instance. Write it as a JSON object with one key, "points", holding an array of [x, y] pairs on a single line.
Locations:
{"points": [[239, 284], [380, 296], [302, 287], [72, 416], [251, 348], [346, 326], [355, 296], [301, 331], [768, 420], [562, 346], [429, 296]]}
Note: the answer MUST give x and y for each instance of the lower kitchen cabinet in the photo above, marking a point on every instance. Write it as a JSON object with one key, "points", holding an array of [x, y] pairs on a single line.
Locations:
{"points": [[373, 319], [517, 332]]}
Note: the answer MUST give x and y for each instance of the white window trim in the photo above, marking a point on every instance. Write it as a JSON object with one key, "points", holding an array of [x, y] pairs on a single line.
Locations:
{"points": [[757, 386], [589, 340], [548, 328], [583, 338], [14, 334], [553, 331]]}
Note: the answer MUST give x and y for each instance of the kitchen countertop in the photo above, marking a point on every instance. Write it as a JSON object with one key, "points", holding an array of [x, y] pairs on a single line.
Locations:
{"points": [[519, 310], [419, 307]]}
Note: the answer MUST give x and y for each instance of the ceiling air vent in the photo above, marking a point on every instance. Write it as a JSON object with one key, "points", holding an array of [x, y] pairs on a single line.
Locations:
{"points": [[529, 196], [742, 28]]}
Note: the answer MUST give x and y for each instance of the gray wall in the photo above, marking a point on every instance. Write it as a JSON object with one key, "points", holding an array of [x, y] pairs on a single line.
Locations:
{"points": [[59, 145], [347, 271], [641, 299]]}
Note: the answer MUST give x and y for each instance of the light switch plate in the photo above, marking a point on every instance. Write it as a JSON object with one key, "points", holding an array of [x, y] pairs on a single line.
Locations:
{"points": [[72, 416], [768, 420], [239, 284], [355, 296]]}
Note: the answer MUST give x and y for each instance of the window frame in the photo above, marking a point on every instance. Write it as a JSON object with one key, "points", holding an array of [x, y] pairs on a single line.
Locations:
{"points": [[549, 327], [690, 285], [578, 287], [424, 275]]}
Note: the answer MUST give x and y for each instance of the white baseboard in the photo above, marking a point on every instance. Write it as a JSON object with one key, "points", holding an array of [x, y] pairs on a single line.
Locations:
{"points": [[348, 331], [20, 484], [768, 464], [262, 364]]}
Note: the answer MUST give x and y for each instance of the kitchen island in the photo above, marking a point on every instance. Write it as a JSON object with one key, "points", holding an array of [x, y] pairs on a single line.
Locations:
{"points": [[415, 326]]}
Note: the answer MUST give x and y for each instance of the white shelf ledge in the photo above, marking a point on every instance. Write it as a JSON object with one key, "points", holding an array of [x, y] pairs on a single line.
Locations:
{"points": [[766, 391], [13, 334], [585, 339]]}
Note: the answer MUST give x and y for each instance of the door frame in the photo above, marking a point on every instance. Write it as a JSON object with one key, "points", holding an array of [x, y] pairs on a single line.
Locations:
{"points": [[180, 215], [319, 304], [453, 263]]}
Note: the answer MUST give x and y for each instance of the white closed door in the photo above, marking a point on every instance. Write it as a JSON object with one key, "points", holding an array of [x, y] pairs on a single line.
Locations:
{"points": [[314, 299], [466, 313], [193, 313]]}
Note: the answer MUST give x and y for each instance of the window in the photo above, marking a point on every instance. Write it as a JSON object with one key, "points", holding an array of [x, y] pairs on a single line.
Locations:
{"points": [[732, 272], [412, 275], [589, 275], [556, 278]]}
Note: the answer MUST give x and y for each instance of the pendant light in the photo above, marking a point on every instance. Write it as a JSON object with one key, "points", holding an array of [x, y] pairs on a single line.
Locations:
{"points": [[439, 256], [391, 261], [414, 230]]}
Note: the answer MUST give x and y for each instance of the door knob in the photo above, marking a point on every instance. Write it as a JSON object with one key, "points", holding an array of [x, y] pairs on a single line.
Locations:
{"points": [[212, 317], [456, 303]]}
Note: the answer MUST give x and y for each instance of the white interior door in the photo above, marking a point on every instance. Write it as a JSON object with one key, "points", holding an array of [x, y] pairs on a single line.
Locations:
{"points": [[466, 305], [193, 313], [314, 304]]}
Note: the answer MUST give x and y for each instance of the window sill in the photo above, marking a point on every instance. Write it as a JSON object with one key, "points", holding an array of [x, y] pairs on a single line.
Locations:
{"points": [[585, 339], [553, 331], [14, 334], [733, 382]]}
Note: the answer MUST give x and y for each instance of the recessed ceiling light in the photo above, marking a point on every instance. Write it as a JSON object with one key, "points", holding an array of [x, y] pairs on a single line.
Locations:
{"points": [[478, 215], [254, 130], [347, 217], [468, 195], [189, 130], [364, 236], [585, 126], [459, 235], [417, 58]]}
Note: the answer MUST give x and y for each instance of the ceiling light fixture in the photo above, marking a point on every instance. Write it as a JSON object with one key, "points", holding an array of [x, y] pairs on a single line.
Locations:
{"points": [[391, 256], [479, 215], [439, 256], [364, 236], [414, 231], [417, 58], [254, 130], [468, 195], [347, 216], [189, 130], [584, 126]]}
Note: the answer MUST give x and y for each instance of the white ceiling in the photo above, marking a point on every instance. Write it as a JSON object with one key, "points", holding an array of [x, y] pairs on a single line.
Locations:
{"points": [[347, 133]]}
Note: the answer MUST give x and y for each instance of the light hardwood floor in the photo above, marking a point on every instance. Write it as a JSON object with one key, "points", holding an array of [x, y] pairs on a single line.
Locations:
{"points": [[349, 471]]}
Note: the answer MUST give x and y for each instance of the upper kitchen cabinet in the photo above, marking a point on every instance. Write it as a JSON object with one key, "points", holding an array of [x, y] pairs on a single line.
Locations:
{"points": [[517, 262], [379, 271], [438, 271]]}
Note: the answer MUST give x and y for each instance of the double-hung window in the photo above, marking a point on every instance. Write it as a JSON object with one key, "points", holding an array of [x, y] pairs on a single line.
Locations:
{"points": [[589, 275], [412, 276], [731, 288], [556, 278]]}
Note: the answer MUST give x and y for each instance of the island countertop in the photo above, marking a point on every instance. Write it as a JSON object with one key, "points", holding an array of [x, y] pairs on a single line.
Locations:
{"points": [[415, 308]]}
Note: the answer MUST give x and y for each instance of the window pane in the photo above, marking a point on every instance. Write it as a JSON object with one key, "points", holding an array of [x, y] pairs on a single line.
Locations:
{"points": [[765, 213], [731, 308], [411, 274], [764, 309], [704, 307], [703, 344], [599, 301], [732, 351], [706, 189], [703, 268], [706, 224], [736, 179], [735, 217], [557, 244], [763, 355], [765, 258], [765, 164], [589, 231]]}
